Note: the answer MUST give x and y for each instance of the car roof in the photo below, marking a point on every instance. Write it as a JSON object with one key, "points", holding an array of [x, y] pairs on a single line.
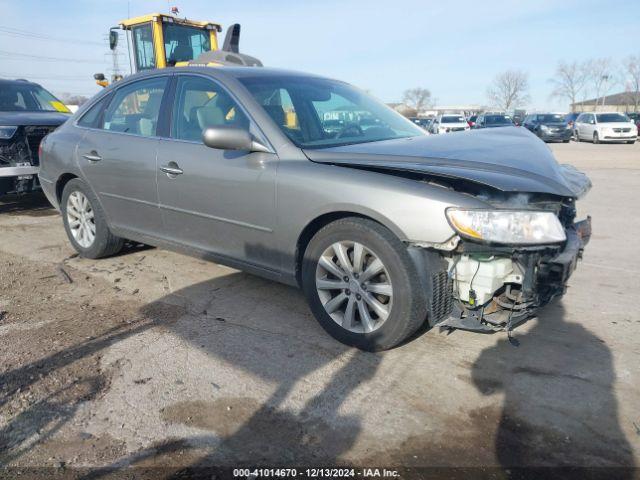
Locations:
{"points": [[225, 71], [17, 81]]}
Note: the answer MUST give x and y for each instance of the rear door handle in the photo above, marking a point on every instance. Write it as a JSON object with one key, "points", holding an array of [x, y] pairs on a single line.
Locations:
{"points": [[92, 157], [172, 170]]}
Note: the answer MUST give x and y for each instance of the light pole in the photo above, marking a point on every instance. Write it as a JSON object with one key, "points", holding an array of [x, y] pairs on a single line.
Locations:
{"points": [[605, 79]]}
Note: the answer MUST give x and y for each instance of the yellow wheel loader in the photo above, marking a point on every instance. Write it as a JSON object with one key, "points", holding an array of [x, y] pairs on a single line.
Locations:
{"points": [[158, 41]]}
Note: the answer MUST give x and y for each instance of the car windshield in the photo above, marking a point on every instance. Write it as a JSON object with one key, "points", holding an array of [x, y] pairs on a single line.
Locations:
{"points": [[498, 120], [551, 118], [452, 119], [28, 97], [308, 110], [611, 117]]}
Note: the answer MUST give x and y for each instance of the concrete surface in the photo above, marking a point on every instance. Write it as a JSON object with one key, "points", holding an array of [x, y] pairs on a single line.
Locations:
{"points": [[154, 358]]}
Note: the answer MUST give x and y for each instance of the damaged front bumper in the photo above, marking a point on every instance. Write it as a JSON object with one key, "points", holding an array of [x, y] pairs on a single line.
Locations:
{"points": [[496, 287], [19, 159]]}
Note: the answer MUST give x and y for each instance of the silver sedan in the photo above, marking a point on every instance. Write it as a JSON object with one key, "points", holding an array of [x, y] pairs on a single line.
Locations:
{"points": [[311, 182]]}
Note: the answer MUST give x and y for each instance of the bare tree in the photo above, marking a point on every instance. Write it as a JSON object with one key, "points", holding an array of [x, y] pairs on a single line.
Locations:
{"points": [[509, 90], [417, 98], [631, 71], [569, 81], [600, 77]]}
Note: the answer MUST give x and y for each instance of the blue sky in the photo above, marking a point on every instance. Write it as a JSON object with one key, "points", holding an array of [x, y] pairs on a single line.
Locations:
{"points": [[452, 48]]}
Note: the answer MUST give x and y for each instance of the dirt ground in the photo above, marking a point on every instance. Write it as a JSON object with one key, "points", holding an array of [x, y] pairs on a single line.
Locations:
{"points": [[154, 359]]}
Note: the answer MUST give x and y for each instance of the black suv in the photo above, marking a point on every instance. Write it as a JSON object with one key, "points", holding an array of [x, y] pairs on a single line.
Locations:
{"points": [[27, 113], [493, 120], [549, 126]]}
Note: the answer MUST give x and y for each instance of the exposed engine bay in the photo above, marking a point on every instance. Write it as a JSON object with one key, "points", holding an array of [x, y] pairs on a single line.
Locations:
{"points": [[495, 287], [19, 159]]}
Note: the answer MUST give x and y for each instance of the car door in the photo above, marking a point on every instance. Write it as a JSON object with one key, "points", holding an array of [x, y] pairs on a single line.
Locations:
{"points": [[528, 122], [579, 125], [118, 158], [218, 201], [587, 126]]}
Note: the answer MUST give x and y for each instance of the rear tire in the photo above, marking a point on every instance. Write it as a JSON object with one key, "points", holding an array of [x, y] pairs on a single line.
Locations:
{"points": [[85, 222], [403, 306]]}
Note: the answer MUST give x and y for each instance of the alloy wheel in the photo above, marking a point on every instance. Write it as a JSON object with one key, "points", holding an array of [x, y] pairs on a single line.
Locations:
{"points": [[80, 218], [354, 286]]}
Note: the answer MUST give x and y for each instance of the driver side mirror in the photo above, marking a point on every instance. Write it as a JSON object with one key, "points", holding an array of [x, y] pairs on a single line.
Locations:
{"points": [[113, 39], [232, 138]]}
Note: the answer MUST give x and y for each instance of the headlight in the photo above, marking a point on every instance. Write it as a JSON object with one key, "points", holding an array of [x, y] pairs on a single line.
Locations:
{"points": [[7, 132], [519, 227], [544, 128]]}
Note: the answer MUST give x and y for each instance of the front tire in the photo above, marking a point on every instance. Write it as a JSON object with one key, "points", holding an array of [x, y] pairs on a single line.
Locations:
{"points": [[596, 138], [85, 222], [362, 286], [631, 142]]}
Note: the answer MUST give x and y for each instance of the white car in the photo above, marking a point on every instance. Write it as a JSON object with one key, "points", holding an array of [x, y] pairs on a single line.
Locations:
{"points": [[605, 127], [448, 122]]}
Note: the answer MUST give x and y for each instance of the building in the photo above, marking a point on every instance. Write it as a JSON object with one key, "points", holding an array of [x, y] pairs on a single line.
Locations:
{"points": [[618, 102], [466, 110]]}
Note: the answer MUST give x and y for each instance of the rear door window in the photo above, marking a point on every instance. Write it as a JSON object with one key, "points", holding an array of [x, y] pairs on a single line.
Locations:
{"points": [[135, 108]]}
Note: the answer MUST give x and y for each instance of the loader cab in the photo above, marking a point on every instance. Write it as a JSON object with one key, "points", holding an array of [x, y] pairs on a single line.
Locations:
{"points": [[159, 41]]}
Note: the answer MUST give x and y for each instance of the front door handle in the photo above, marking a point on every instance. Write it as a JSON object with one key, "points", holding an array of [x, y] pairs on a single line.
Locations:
{"points": [[172, 169], [92, 156]]}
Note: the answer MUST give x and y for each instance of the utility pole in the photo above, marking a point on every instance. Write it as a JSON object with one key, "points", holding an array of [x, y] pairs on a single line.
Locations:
{"points": [[605, 79]]}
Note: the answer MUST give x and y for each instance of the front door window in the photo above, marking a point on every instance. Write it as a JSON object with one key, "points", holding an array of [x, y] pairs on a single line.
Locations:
{"points": [[201, 103]]}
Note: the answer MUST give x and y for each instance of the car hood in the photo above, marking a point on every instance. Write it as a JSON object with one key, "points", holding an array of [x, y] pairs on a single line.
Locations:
{"points": [[454, 125], [33, 118], [508, 159]]}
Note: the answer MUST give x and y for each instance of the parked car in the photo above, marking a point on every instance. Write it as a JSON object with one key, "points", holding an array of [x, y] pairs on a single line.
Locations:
{"points": [[447, 122], [570, 119], [548, 127], [518, 119], [27, 113], [493, 120], [635, 117], [472, 120], [383, 229], [333, 125], [605, 127], [423, 123]]}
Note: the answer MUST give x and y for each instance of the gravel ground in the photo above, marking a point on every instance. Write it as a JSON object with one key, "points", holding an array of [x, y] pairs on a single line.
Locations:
{"points": [[154, 359]]}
